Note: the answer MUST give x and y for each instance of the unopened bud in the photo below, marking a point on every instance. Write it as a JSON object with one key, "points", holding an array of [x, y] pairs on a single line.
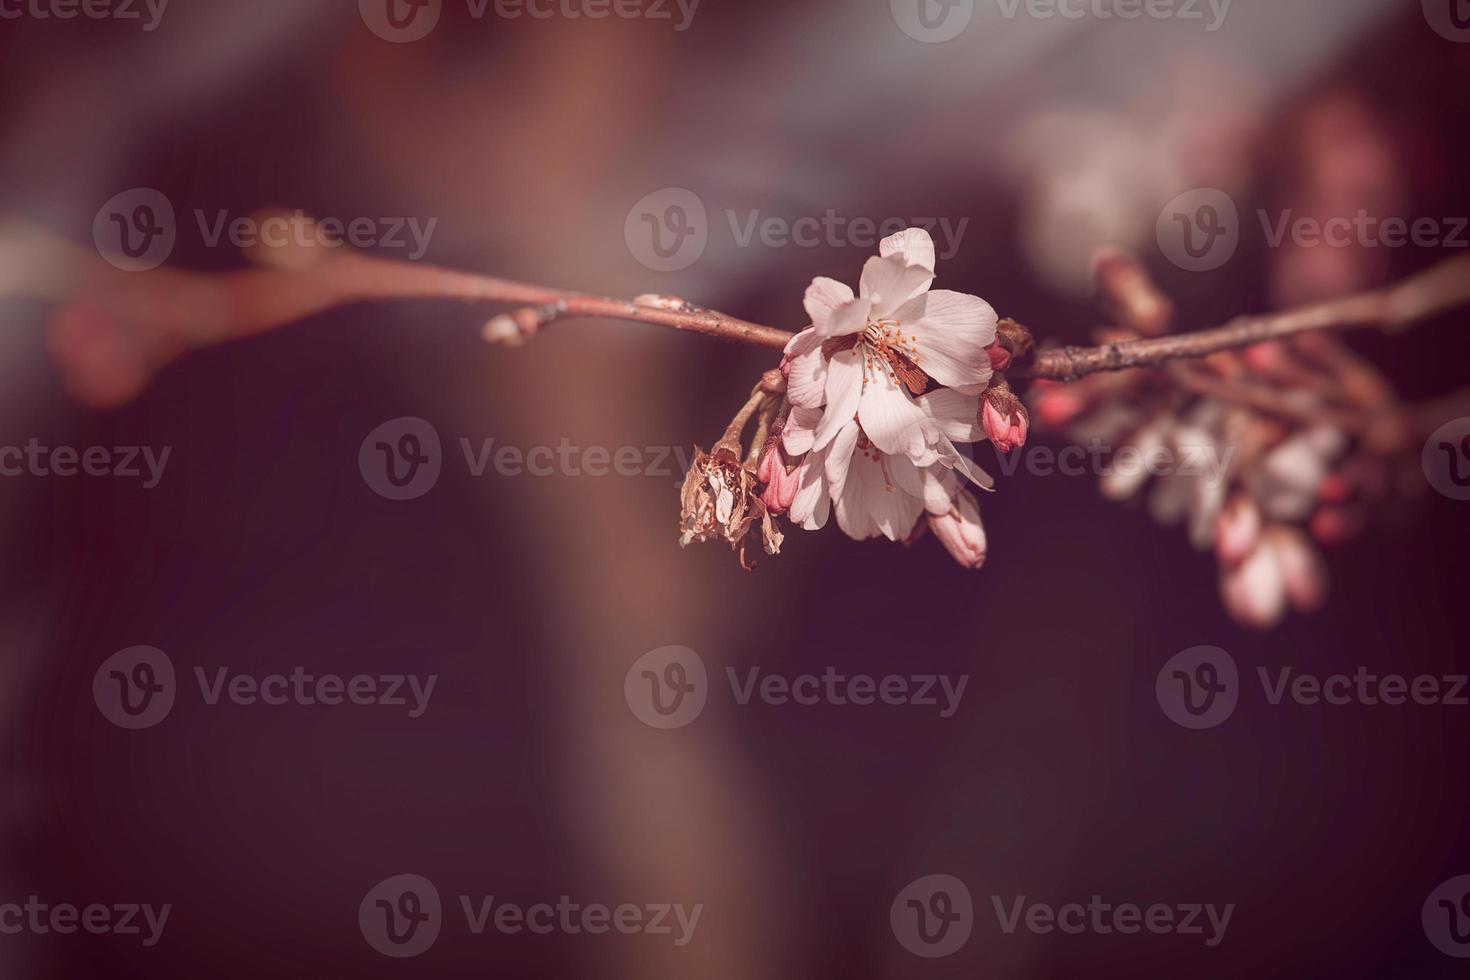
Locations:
{"points": [[1004, 418], [961, 532], [1000, 358], [1237, 529], [780, 482]]}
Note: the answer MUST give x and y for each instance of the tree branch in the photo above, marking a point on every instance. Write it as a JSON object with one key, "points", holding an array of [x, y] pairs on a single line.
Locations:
{"points": [[1441, 288], [167, 310]]}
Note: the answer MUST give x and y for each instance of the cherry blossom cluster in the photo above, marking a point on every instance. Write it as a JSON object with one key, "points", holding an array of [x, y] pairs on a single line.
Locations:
{"points": [[1297, 474], [882, 393]]}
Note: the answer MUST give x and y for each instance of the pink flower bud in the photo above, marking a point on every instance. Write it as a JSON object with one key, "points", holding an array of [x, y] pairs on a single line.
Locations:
{"points": [[1268, 357], [1334, 525], [1254, 591], [961, 532], [1335, 488], [1057, 404], [1000, 358], [781, 483], [1302, 569], [1237, 529], [1004, 419]]}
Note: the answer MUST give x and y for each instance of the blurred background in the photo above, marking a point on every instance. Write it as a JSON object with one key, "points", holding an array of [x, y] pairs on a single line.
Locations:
{"points": [[532, 143]]}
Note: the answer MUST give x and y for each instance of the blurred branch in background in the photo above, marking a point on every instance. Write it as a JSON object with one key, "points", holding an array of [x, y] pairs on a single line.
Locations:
{"points": [[116, 328]]}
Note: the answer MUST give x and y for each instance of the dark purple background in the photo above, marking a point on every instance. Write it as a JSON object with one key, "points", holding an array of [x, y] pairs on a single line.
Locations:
{"points": [[262, 549]]}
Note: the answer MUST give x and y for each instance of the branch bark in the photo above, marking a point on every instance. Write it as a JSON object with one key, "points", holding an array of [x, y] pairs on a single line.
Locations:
{"points": [[1441, 288], [169, 310]]}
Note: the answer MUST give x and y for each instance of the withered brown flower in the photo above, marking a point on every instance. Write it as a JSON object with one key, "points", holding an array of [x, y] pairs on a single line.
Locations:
{"points": [[721, 500]]}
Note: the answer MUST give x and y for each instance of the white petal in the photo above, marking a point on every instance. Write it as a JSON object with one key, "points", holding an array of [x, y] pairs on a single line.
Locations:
{"points": [[839, 458], [951, 331], [939, 488], [871, 505], [1255, 591], [889, 284], [959, 460], [913, 245], [804, 341], [957, 415], [844, 391], [1302, 568], [891, 420], [800, 431], [810, 507], [1206, 501], [1119, 482], [1288, 479], [833, 309], [806, 379], [724, 503]]}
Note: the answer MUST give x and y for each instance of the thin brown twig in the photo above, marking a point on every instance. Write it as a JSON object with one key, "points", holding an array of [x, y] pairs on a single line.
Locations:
{"points": [[186, 309], [1443, 287]]}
